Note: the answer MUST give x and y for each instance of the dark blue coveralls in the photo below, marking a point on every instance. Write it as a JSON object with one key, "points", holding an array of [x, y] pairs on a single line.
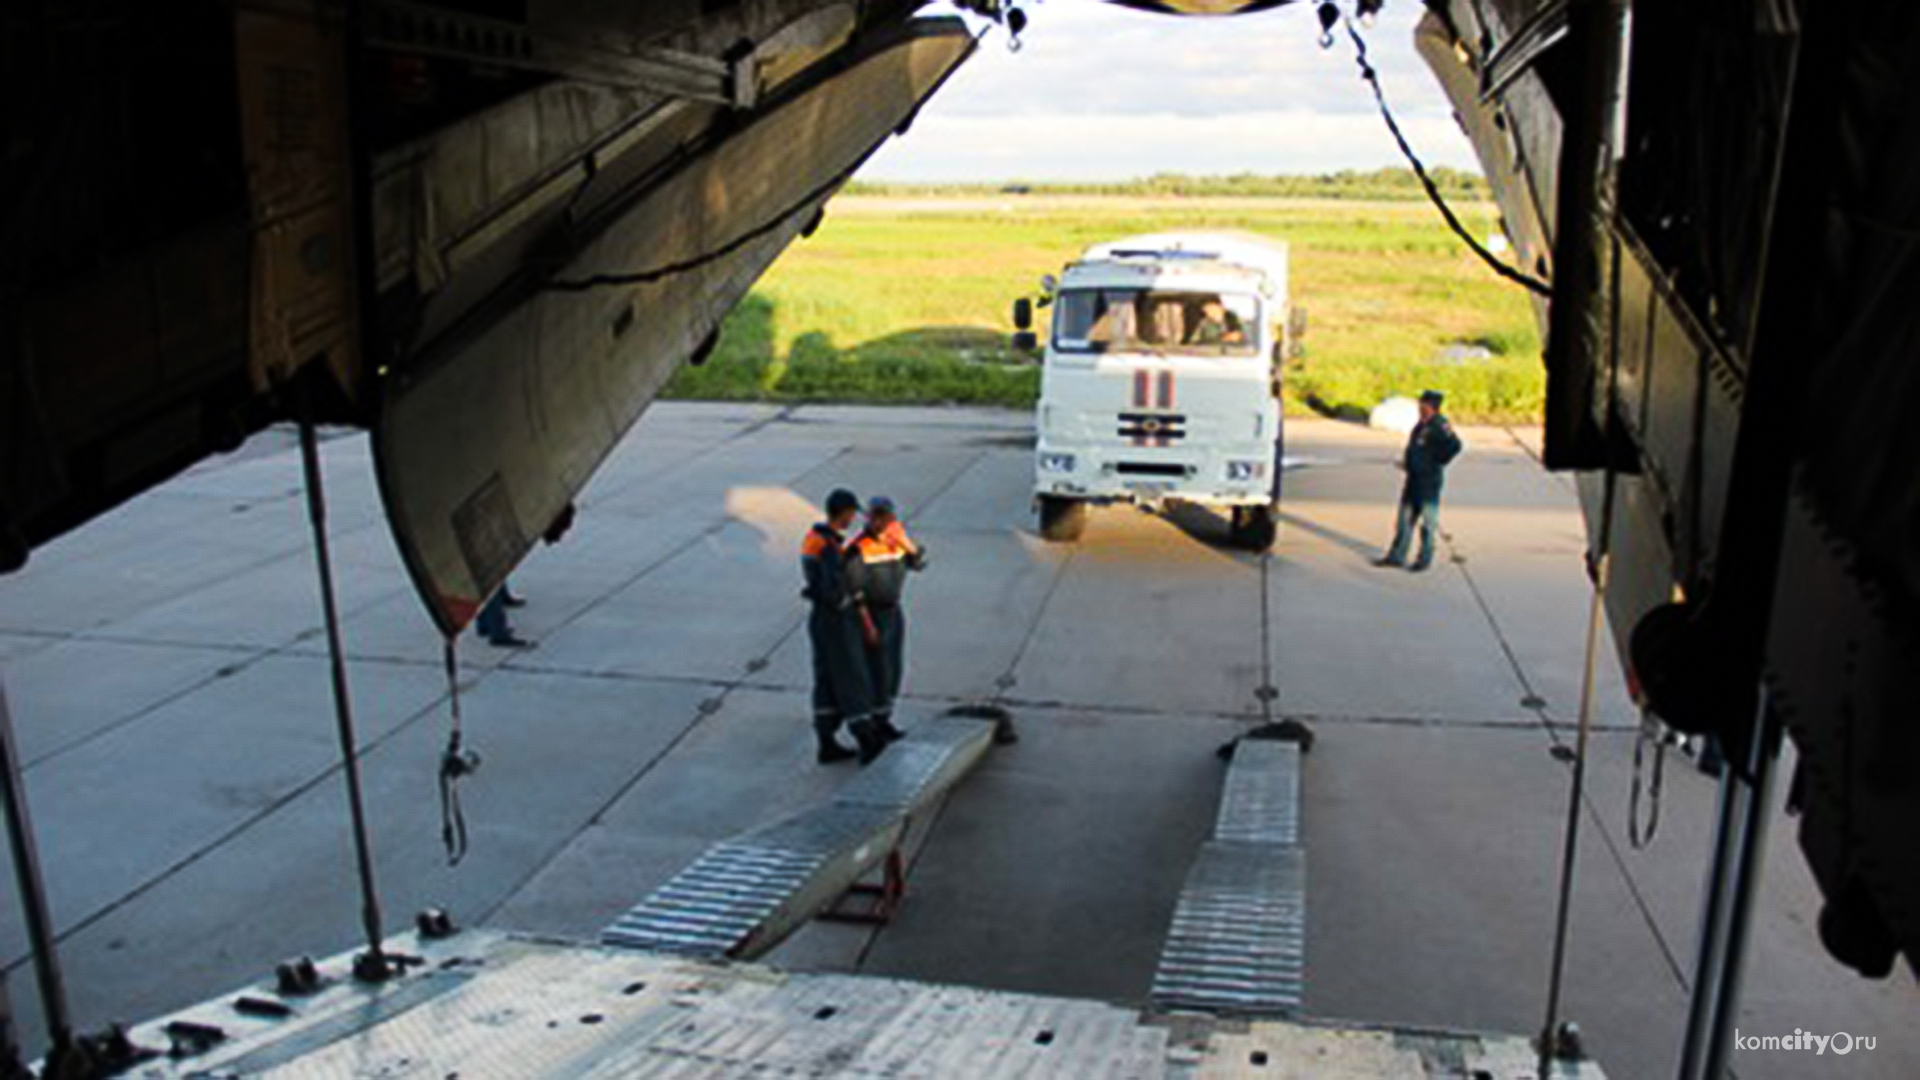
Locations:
{"points": [[1430, 448], [878, 566], [842, 689]]}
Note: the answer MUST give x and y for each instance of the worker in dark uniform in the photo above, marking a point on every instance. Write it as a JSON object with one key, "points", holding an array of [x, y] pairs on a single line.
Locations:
{"points": [[881, 557], [492, 623], [1430, 448], [842, 686]]}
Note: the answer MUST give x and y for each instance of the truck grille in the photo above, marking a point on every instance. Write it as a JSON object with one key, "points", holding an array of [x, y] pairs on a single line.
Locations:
{"points": [[1153, 429]]}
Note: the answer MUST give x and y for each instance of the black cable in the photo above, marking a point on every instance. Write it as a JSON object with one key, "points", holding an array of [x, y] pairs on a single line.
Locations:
{"points": [[1433, 191], [674, 269]]}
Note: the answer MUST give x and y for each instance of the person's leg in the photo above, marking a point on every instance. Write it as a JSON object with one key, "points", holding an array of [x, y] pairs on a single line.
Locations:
{"points": [[826, 708], [1429, 525], [492, 619], [876, 656], [887, 661], [853, 684], [1402, 532], [491, 623]]}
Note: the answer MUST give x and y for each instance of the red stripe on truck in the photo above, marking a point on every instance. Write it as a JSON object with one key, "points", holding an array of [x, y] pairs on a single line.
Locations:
{"points": [[1140, 398], [1166, 402]]}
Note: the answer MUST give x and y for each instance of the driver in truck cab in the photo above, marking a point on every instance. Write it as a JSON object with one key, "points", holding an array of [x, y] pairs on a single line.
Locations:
{"points": [[1216, 327]]}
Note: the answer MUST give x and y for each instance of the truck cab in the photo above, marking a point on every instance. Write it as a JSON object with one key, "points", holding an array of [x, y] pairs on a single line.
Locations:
{"points": [[1162, 380]]}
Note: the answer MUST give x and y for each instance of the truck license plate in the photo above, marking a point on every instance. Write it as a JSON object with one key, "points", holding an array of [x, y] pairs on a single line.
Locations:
{"points": [[1149, 487]]}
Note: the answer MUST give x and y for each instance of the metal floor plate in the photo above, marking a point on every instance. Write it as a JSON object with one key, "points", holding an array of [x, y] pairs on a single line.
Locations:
{"points": [[490, 1006]]}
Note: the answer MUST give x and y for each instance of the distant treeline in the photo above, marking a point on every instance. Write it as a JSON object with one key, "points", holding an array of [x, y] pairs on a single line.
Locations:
{"points": [[1346, 184]]}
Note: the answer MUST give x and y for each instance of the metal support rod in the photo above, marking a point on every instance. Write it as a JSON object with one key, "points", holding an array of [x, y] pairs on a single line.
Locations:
{"points": [[373, 965], [1746, 804], [1762, 755], [1549, 1042], [1710, 939], [33, 893]]}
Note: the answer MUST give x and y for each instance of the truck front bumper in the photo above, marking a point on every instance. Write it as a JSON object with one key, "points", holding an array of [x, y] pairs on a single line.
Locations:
{"points": [[1238, 476]]}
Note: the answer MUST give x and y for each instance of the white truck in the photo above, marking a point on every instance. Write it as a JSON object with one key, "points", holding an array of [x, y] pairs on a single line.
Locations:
{"points": [[1162, 379]]}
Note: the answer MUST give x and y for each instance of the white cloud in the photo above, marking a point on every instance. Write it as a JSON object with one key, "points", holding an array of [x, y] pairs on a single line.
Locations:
{"points": [[1102, 92]]}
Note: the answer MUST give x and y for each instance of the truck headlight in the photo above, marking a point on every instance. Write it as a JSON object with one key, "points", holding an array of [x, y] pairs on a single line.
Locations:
{"points": [[1056, 463], [1246, 470]]}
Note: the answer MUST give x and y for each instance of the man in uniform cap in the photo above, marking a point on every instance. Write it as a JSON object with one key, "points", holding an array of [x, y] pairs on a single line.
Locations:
{"points": [[880, 558], [842, 685], [1430, 448]]}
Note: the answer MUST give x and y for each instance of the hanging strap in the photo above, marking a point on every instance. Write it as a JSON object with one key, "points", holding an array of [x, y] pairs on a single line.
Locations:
{"points": [[1649, 732], [456, 762]]}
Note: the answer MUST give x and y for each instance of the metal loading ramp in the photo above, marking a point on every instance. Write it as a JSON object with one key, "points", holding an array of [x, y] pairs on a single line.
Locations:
{"points": [[484, 1005], [1237, 945], [747, 894]]}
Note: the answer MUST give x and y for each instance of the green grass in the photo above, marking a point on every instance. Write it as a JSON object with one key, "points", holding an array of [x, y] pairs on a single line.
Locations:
{"points": [[1346, 184], [906, 299]]}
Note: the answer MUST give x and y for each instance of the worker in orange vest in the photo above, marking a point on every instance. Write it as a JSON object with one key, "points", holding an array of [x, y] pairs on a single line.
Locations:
{"points": [[842, 685], [880, 558]]}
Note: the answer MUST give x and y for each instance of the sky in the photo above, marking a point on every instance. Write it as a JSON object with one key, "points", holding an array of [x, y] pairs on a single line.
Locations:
{"points": [[1100, 92]]}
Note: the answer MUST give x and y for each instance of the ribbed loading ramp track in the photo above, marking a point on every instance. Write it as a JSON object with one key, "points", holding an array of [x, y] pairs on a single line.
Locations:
{"points": [[1238, 941], [747, 894]]}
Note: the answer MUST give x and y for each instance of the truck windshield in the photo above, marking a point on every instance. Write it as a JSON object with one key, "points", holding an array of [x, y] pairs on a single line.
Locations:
{"points": [[1156, 321]]}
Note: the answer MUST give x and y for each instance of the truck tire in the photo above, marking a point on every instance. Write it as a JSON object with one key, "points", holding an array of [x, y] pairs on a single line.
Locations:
{"points": [[1254, 527], [1062, 520]]}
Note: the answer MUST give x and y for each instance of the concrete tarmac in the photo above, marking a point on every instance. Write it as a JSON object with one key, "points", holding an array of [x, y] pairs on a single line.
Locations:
{"points": [[167, 673]]}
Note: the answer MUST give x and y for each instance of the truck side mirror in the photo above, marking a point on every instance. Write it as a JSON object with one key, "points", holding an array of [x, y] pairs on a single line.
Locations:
{"points": [[1026, 341], [1023, 314], [1296, 333], [1048, 283]]}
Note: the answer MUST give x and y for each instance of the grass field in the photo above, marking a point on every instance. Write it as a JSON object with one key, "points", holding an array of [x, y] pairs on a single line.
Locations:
{"points": [[906, 299]]}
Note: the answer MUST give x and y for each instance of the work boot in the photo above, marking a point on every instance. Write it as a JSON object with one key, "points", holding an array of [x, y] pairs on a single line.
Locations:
{"points": [[885, 724], [832, 750], [1417, 567], [1388, 560], [872, 741], [509, 640]]}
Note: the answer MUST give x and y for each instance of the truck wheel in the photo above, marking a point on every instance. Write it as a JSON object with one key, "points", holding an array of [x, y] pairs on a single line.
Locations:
{"points": [[1254, 527], [1062, 520]]}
